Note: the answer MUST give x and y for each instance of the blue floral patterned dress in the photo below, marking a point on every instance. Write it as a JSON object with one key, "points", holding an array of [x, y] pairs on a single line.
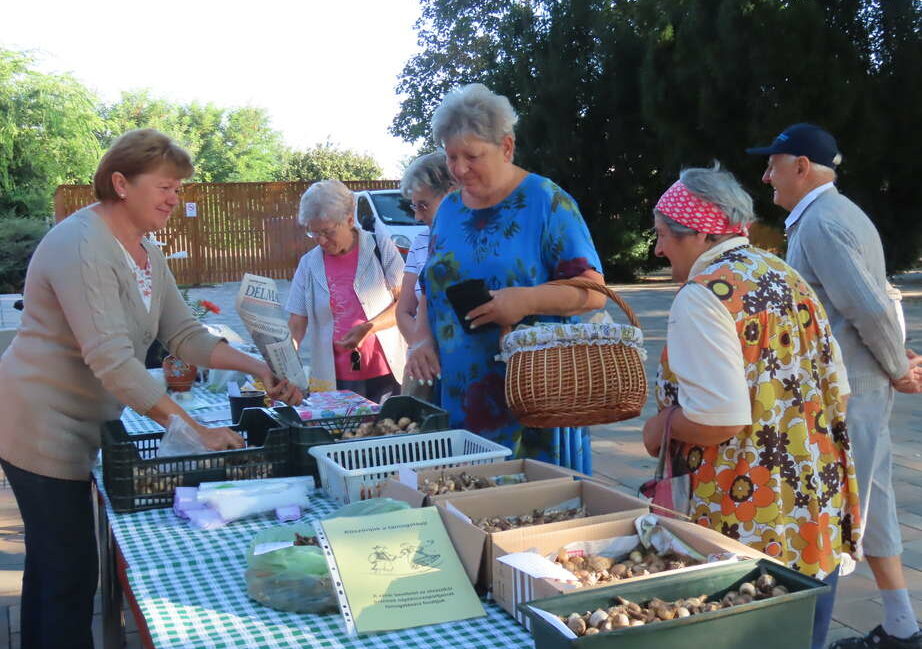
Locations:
{"points": [[535, 235]]}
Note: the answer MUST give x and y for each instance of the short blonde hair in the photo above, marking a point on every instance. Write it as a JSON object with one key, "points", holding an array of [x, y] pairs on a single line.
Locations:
{"points": [[137, 152]]}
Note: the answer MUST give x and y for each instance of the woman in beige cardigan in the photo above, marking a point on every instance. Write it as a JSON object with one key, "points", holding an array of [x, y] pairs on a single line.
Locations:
{"points": [[97, 295]]}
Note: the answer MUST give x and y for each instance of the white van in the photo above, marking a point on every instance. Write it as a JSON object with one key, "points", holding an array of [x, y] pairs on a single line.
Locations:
{"points": [[387, 211]]}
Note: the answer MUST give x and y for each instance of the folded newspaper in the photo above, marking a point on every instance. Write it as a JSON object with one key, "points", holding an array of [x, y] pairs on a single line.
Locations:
{"points": [[259, 307]]}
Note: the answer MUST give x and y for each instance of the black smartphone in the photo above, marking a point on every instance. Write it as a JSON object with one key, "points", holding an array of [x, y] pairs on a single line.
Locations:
{"points": [[466, 296]]}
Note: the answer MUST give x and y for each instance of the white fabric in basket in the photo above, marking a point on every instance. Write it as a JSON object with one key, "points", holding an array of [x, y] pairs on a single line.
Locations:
{"points": [[554, 334]]}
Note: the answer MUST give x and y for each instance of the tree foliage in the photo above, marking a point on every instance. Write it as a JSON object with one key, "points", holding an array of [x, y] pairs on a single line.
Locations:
{"points": [[328, 161], [53, 131], [227, 145], [20, 236], [615, 97], [48, 126]]}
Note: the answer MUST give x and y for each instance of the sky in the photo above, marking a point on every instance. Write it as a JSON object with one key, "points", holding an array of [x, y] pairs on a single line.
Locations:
{"points": [[322, 69]]}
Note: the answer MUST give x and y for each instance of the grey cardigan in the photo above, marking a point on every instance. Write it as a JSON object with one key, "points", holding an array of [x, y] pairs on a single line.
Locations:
{"points": [[838, 251], [79, 352]]}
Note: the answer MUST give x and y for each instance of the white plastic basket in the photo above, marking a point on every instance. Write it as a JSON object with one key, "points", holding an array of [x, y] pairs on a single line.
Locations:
{"points": [[351, 471]]}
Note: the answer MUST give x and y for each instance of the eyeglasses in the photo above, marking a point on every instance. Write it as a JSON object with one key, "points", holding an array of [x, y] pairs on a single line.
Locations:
{"points": [[421, 206], [325, 233], [356, 359]]}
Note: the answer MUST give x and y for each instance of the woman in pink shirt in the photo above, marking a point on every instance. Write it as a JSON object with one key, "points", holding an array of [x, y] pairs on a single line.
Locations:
{"points": [[343, 298]]}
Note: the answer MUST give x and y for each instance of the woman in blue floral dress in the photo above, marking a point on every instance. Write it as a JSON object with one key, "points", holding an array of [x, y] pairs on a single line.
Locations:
{"points": [[515, 231]]}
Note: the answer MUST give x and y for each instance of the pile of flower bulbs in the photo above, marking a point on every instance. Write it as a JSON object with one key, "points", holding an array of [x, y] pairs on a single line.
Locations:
{"points": [[625, 613], [595, 569], [386, 426], [537, 517]]}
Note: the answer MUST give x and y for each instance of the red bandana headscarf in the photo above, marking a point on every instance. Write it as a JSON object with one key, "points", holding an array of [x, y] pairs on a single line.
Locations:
{"points": [[683, 207]]}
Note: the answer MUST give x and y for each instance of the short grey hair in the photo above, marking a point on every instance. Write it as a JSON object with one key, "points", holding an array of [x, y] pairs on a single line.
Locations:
{"points": [[429, 170], [718, 187], [474, 110], [822, 170], [326, 199]]}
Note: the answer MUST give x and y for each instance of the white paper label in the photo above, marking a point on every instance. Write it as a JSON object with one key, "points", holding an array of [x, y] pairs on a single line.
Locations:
{"points": [[555, 622], [407, 476], [457, 512], [534, 565], [191, 209], [265, 548]]}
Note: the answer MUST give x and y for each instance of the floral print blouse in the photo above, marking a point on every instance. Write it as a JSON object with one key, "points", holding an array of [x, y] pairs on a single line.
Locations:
{"points": [[785, 485], [533, 236]]}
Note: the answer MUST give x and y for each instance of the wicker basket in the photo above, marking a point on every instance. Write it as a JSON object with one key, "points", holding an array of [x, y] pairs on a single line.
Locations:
{"points": [[590, 374]]}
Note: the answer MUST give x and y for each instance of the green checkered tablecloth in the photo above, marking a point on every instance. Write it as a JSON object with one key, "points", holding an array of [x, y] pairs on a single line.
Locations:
{"points": [[189, 585], [209, 408]]}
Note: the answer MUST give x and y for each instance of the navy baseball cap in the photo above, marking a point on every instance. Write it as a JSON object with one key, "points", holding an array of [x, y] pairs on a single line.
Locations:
{"points": [[804, 140]]}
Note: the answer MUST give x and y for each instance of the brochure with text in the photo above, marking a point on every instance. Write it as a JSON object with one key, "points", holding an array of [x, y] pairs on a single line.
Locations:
{"points": [[398, 570]]}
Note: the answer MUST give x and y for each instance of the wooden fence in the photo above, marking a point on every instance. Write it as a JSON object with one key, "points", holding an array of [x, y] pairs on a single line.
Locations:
{"points": [[227, 229]]}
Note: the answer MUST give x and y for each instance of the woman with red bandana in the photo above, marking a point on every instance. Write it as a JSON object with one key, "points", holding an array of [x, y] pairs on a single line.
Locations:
{"points": [[752, 387]]}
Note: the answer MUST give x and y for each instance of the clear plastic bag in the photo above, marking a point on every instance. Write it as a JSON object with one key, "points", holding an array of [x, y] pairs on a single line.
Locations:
{"points": [[180, 439], [296, 578]]}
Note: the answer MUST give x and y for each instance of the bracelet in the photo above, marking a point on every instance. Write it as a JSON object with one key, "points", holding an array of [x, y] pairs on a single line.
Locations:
{"points": [[418, 344]]}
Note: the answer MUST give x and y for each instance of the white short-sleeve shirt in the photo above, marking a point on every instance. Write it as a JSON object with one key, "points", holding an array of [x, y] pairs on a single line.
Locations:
{"points": [[706, 356]]}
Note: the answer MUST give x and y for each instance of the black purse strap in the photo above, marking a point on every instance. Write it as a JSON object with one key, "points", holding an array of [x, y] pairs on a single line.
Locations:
{"points": [[374, 236]]}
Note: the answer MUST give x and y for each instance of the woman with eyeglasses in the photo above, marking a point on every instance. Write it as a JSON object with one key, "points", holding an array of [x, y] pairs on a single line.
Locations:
{"points": [[425, 183], [344, 298]]}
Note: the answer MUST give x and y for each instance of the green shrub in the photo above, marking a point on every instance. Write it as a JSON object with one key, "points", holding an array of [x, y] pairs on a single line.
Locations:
{"points": [[18, 239]]}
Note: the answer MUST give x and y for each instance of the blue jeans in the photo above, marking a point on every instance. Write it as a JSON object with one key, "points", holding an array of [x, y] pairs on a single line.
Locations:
{"points": [[62, 565], [822, 615]]}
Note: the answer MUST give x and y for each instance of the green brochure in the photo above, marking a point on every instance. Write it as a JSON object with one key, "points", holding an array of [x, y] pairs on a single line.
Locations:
{"points": [[398, 570]]}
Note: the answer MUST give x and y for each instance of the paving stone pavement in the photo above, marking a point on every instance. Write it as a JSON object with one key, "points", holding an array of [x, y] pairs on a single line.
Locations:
{"points": [[617, 454]]}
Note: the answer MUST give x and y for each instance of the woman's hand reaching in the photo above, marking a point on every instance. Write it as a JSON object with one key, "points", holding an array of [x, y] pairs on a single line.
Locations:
{"points": [[220, 439], [282, 390], [355, 336], [423, 362]]}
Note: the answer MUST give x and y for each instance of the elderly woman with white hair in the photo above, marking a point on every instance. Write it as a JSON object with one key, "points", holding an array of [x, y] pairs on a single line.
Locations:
{"points": [[344, 296], [751, 388], [515, 231], [425, 183]]}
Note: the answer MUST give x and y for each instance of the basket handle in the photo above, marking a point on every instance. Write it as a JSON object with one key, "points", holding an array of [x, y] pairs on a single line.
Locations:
{"points": [[579, 282]]}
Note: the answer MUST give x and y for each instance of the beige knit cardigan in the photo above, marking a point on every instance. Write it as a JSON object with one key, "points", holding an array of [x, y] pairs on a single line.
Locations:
{"points": [[78, 356]]}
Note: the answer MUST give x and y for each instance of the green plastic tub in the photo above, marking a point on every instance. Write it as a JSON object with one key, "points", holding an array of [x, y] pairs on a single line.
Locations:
{"points": [[783, 622]]}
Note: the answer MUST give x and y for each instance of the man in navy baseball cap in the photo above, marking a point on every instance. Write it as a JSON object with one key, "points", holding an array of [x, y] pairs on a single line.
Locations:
{"points": [[805, 140], [836, 248]]}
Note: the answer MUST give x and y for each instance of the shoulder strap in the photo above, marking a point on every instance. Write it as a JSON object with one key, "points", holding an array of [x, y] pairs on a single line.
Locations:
{"points": [[378, 253], [374, 236]]}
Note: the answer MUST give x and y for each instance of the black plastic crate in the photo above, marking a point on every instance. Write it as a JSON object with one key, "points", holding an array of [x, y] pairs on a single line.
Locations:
{"points": [[429, 417], [302, 437], [307, 434], [136, 479]]}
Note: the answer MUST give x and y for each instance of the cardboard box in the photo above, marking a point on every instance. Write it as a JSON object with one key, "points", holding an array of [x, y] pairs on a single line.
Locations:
{"points": [[533, 469], [512, 587], [475, 547]]}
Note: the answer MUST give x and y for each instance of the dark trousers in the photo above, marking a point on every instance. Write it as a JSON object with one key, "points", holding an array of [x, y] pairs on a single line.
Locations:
{"points": [[372, 389], [62, 565], [822, 615]]}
